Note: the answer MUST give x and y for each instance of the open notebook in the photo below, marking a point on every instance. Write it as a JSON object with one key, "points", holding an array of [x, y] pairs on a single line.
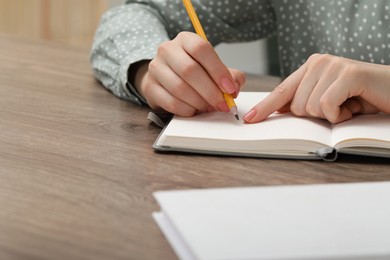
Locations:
{"points": [[327, 221], [279, 136]]}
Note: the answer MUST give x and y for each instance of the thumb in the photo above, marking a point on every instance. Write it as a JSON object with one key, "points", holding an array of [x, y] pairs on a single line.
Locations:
{"points": [[239, 79]]}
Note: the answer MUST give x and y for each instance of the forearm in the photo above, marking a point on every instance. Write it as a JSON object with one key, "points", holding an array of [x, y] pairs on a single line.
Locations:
{"points": [[125, 36], [133, 32]]}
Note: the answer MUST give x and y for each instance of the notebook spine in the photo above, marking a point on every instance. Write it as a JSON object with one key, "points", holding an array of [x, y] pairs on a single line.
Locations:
{"points": [[328, 154]]}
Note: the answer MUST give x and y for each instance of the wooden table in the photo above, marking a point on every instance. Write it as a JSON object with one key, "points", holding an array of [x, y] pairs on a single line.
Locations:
{"points": [[77, 170]]}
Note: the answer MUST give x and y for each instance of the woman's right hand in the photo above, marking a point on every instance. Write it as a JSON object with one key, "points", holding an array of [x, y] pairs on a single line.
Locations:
{"points": [[187, 77]]}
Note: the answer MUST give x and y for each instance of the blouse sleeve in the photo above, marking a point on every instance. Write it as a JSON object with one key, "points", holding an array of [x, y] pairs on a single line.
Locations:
{"points": [[132, 32]]}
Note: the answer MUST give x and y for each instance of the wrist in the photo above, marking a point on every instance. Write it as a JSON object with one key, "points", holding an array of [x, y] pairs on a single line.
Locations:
{"points": [[136, 74]]}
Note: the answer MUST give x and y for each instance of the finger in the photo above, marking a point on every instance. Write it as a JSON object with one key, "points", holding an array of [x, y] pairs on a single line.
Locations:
{"points": [[191, 72], [319, 76], [303, 92], [159, 98], [353, 105], [347, 110], [367, 107], [239, 79], [204, 53], [238, 76], [313, 107], [176, 86], [333, 99], [285, 108], [278, 98], [329, 74]]}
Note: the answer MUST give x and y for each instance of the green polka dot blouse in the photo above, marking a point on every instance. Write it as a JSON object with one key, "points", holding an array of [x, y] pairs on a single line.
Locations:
{"points": [[357, 29]]}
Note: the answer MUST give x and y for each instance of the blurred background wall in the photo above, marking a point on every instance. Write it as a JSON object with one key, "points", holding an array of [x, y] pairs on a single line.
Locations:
{"points": [[74, 22], [66, 21]]}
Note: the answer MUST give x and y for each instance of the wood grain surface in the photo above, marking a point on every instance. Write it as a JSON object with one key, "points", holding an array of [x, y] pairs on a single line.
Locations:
{"points": [[77, 168]]}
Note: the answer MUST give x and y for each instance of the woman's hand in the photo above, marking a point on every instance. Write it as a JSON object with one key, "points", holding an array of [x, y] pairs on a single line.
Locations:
{"points": [[187, 77], [331, 88]]}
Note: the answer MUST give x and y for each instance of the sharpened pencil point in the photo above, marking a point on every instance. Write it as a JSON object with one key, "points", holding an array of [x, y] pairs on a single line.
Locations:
{"points": [[235, 112]]}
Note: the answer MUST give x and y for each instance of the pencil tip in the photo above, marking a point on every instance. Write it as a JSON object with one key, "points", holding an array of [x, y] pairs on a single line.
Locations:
{"points": [[237, 117]]}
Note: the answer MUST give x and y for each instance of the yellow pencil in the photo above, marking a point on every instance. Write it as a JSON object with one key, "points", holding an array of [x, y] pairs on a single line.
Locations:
{"points": [[199, 30]]}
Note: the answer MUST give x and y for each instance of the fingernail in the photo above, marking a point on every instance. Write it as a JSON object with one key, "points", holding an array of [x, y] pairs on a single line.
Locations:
{"points": [[228, 86], [223, 107], [250, 115]]}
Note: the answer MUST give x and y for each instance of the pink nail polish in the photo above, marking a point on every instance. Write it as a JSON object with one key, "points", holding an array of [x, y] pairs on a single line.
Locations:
{"points": [[228, 86], [250, 115]]}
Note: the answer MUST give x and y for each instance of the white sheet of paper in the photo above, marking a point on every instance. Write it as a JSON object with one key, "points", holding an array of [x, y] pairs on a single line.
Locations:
{"points": [[327, 221]]}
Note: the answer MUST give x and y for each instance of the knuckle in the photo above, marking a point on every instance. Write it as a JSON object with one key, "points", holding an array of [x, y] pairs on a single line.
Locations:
{"points": [[178, 89], [353, 71], [175, 107], [200, 48], [172, 107], [187, 69], [164, 48], [153, 66], [182, 35], [328, 63], [332, 118], [326, 105], [314, 56], [297, 110], [313, 110], [324, 102], [325, 58], [238, 76], [280, 88]]}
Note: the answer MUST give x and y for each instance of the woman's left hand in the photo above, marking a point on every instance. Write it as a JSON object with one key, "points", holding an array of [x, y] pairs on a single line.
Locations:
{"points": [[329, 87]]}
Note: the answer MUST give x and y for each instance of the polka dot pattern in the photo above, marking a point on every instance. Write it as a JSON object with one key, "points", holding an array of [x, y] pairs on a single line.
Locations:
{"points": [[357, 29]]}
